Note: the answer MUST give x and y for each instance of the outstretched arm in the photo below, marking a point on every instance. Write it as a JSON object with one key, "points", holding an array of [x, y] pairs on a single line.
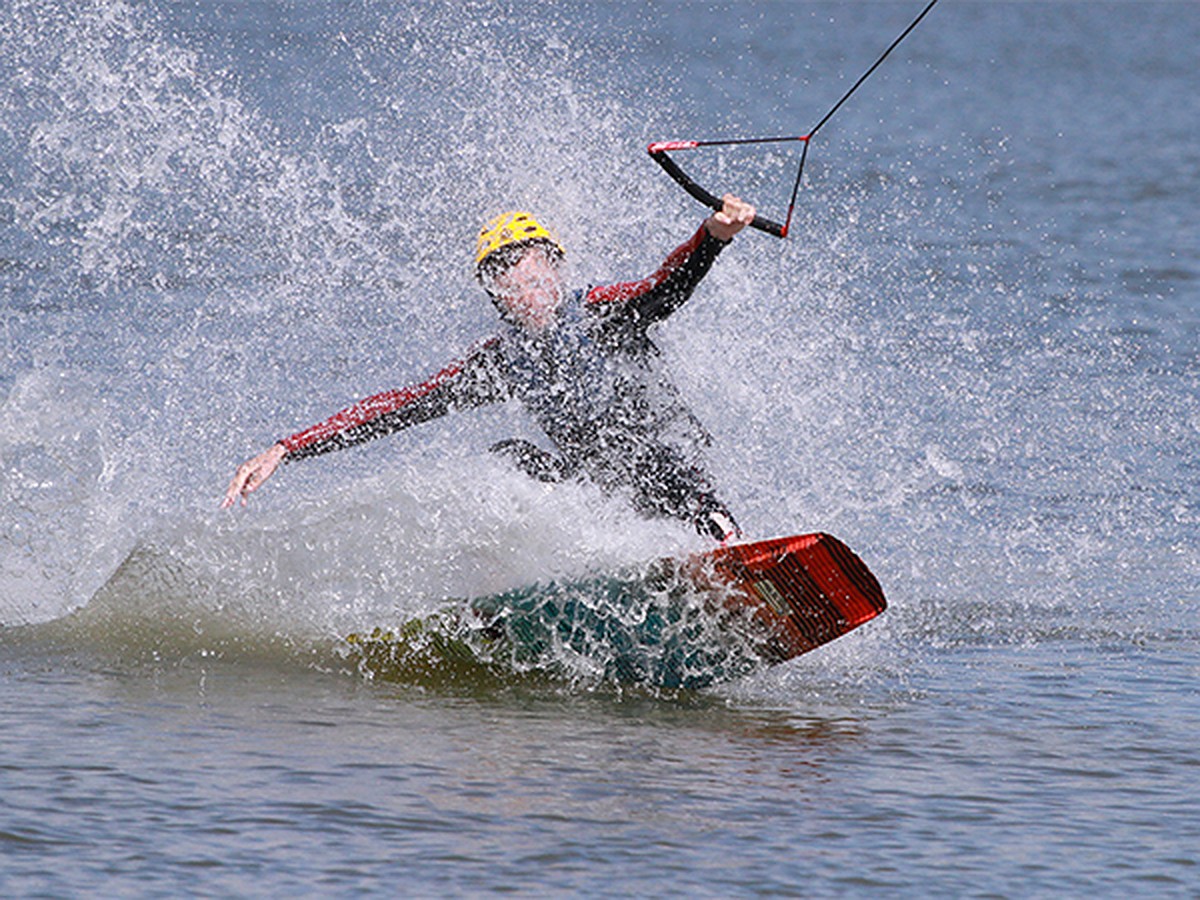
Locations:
{"points": [[473, 382]]}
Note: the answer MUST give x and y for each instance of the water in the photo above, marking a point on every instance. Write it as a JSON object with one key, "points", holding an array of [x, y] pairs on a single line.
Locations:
{"points": [[976, 361]]}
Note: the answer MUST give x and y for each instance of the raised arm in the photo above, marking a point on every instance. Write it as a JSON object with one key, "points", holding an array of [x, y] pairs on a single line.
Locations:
{"points": [[654, 298]]}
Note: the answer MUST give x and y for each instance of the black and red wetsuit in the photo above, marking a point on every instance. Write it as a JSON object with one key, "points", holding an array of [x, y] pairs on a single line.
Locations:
{"points": [[589, 383]]}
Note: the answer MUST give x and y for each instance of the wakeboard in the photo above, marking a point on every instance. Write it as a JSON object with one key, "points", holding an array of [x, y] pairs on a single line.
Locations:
{"points": [[675, 623]]}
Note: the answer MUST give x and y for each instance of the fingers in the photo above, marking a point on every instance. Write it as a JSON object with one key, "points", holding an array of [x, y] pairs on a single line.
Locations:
{"points": [[239, 487], [247, 480], [736, 210], [734, 215], [251, 475]]}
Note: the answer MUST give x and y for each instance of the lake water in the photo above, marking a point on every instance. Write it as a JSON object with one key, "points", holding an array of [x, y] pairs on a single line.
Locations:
{"points": [[976, 360]]}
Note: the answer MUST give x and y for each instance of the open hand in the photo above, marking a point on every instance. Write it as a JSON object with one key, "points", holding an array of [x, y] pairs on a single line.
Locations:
{"points": [[251, 475]]}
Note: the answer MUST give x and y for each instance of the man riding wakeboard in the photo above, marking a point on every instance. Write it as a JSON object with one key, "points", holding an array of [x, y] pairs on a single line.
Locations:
{"points": [[580, 361]]}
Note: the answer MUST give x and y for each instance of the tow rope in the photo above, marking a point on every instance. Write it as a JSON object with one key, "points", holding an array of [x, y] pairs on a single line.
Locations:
{"points": [[658, 151]]}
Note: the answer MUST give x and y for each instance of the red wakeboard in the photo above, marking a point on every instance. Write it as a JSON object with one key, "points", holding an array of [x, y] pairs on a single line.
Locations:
{"points": [[800, 592]]}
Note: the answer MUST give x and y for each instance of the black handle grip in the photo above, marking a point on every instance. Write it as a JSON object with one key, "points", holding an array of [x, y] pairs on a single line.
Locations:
{"points": [[712, 202]]}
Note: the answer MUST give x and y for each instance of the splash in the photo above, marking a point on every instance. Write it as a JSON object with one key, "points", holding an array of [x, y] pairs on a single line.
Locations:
{"points": [[200, 258], [209, 239], [55, 449], [130, 154]]}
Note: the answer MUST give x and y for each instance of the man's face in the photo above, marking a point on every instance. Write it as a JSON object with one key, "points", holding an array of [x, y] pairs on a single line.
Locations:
{"points": [[531, 290]]}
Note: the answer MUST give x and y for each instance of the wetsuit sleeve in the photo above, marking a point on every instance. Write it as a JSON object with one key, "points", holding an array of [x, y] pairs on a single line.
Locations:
{"points": [[471, 382], [656, 297]]}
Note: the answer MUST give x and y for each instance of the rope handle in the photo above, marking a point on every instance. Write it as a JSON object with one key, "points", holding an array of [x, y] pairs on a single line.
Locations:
{"points": [[658, 153]]}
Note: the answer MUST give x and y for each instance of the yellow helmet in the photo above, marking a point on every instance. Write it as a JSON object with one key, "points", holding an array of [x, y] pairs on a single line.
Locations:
{"points": [[511, 229]]}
